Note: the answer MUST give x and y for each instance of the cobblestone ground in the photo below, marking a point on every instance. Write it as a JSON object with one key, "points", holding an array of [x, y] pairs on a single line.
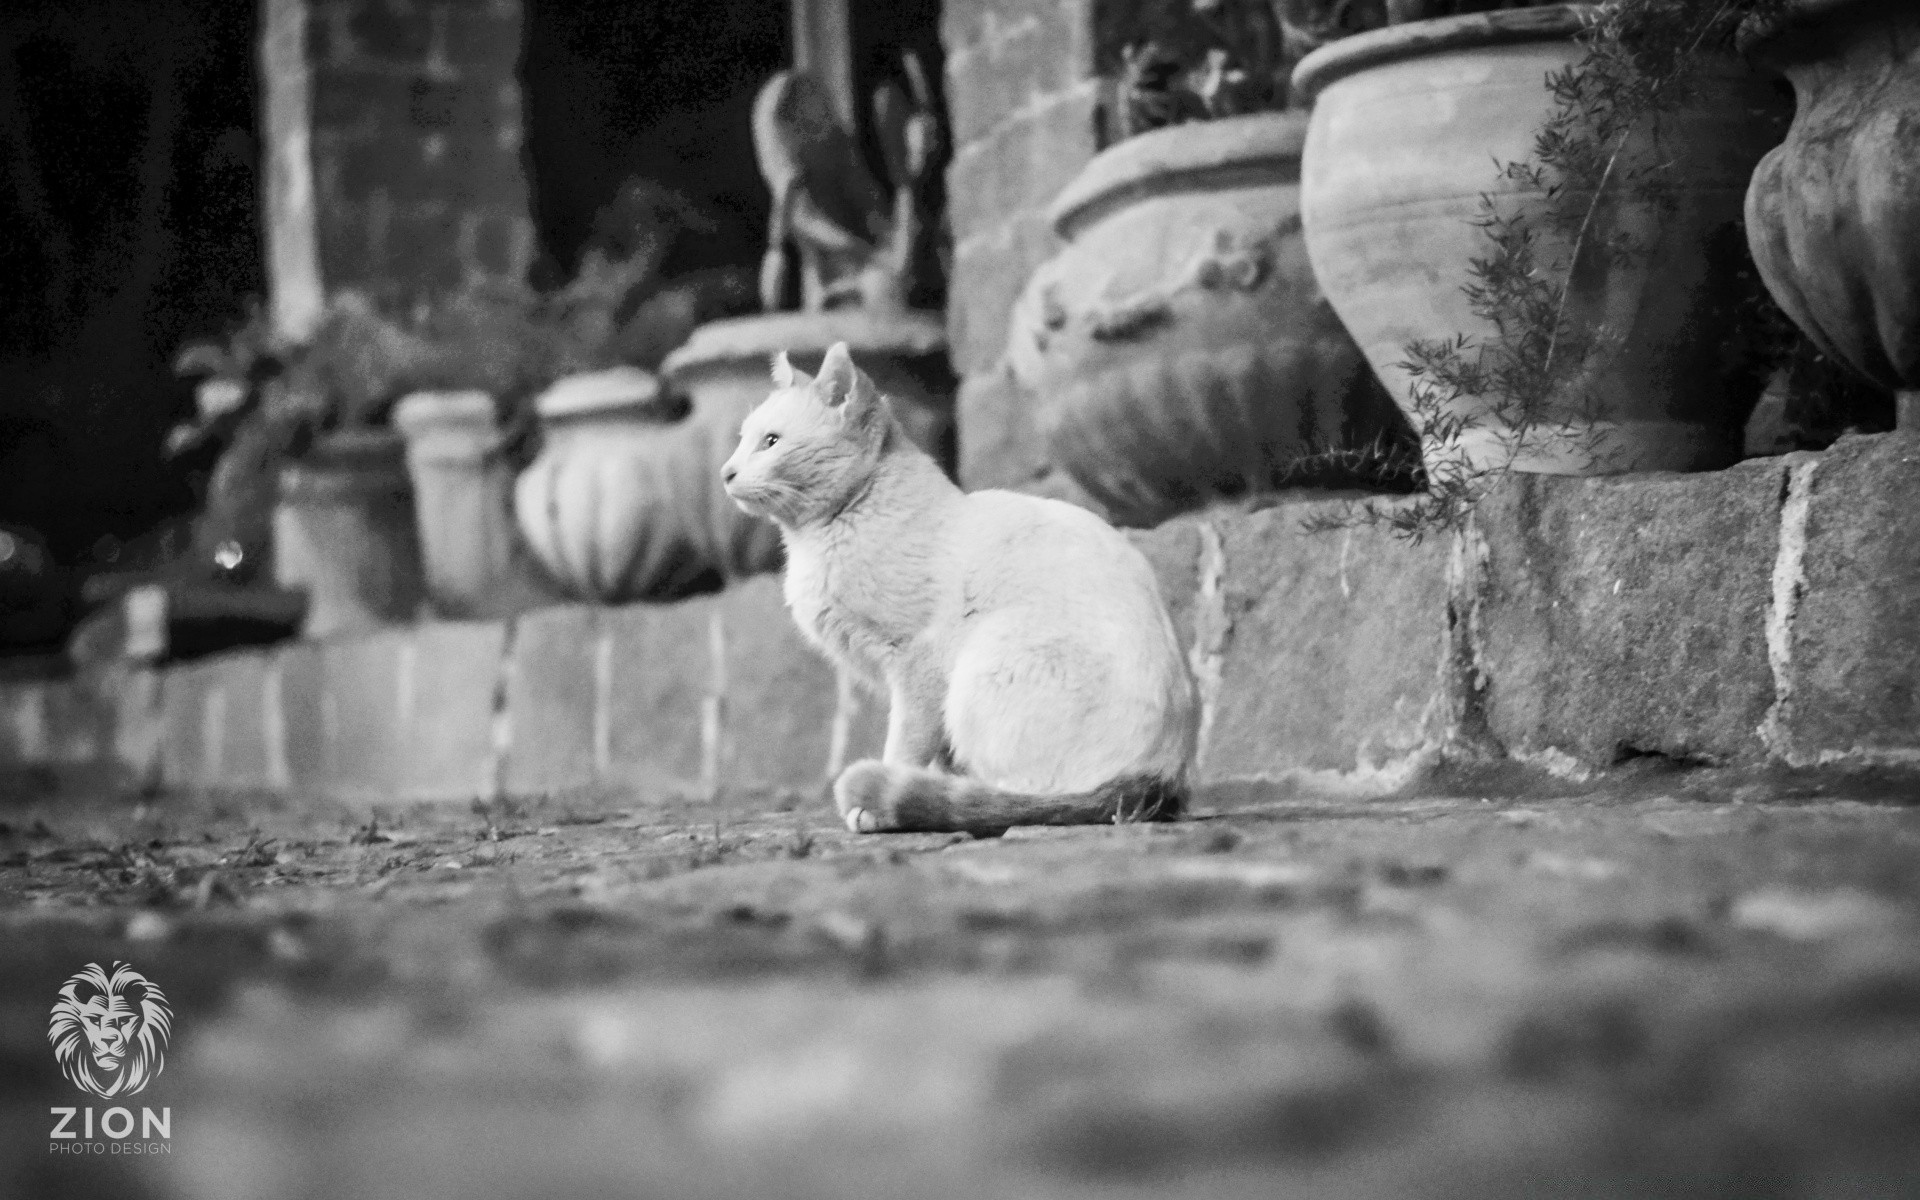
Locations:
{"points": [[1690, 985]]}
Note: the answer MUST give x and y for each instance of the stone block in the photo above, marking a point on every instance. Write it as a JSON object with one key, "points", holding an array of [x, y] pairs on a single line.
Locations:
{"points": [[363, 714], [411, 164], [23, 722], [1173, 549], [79, 728], [363, 101], [1025, 161], [1330, 651], [476, 38], [329, 35], [990, 270], [660, 676], [382, 33], [305, 748], [999, 446], [1011, 65], [780, 694], [137, 715], [555, 685], [1627, 615], [185, 693], [249, 743], [968, 23], [1855, 637], [55, 733], [416, 249], [449, 678], [498, 242], [215, 720]]}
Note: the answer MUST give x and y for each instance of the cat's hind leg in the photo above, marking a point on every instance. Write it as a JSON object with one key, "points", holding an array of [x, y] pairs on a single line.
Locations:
{"points": [[1031, 707]]}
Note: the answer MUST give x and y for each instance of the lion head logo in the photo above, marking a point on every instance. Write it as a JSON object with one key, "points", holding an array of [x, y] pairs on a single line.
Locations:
{"points": [[109, 1030]]}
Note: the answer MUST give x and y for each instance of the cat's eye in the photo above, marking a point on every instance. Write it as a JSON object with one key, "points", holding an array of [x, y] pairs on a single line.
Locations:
{"points": [[768, 442]]}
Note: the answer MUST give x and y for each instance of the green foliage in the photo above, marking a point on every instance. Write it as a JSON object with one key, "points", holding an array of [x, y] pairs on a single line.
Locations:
{"points": [[502, 337], [1600, 146], [1196, 60]]}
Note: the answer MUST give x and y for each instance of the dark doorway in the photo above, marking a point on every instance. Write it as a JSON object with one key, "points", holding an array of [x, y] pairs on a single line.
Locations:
{"points": [[128, 225], [615, 89]]}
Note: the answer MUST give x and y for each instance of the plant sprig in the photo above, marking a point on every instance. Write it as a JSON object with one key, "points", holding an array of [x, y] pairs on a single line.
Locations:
{"points": [[1601, 143]]}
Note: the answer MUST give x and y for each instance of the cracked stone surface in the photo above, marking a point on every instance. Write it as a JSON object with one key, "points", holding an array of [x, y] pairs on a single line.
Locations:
{"points": [[1689, 983]]}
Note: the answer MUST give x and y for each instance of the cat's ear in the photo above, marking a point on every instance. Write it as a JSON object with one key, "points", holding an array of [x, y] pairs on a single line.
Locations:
{"points": [[840, 381], [786, 375]]}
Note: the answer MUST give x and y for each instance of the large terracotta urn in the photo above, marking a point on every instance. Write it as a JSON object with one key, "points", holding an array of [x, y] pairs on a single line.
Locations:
{"points": [[1411, 127], [1833, 213], [1178, 348], [476, 565], [724, 369], [614, 506], [343, 532]]}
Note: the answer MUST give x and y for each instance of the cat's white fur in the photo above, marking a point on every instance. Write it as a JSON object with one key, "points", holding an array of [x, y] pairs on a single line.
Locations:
{"points": [[1021, 642]]}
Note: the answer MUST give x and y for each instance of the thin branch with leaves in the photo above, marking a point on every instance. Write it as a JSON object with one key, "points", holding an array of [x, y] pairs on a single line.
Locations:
{"points": [[1600, 148]]}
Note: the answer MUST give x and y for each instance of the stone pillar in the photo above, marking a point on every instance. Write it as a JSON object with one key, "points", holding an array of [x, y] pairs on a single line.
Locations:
{"points": [[1027, 114], [823, 48], [417, 181], [296, 296]]}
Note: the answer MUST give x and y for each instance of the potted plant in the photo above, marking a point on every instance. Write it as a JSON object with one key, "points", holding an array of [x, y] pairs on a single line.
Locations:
{"points": [[1178, 348], [308, 443], [1833, 212], [857, 261], [615, 506], [1569, 311]]}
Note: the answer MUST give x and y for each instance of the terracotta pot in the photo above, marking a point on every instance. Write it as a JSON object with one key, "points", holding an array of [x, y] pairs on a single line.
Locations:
{"points": [[1833, 213], [1178, 347], [1409, 124], [343, 532], [476, 565], [724, 370], [615, 505]]}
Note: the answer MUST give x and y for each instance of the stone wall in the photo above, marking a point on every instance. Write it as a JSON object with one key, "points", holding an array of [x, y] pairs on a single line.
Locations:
{"points": [[1027, 115], [1763, 616], [416, 143], [649, 700]]}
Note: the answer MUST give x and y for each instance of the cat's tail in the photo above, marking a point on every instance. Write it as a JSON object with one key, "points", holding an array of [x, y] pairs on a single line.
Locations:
{"points": [[874, 796]]}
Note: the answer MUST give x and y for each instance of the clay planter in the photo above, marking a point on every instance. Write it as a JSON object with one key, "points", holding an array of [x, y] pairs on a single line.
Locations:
{"points": [[1178, 347], [1409, 124], [343, 532], [1833, 214], [724, 370], [462, 488], [615, 505]]}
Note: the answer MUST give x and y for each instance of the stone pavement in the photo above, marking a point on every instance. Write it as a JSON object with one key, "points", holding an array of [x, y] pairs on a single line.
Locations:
{"points": [[1690, 983]]}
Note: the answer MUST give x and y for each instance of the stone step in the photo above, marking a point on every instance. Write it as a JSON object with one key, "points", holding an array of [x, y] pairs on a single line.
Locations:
{"points": [[1764, 615]]}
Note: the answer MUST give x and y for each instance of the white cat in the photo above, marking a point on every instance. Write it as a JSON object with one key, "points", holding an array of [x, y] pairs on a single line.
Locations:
{"points": [[1032, 671]]}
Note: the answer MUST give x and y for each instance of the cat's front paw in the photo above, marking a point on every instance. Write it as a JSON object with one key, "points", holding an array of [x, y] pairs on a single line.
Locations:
{"points": [[861, 795]]}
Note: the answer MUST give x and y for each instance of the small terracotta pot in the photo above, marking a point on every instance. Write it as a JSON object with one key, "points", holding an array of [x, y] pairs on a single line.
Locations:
{"points": [[614, 506], [1833, 213], [1410, 126], [343, 532], [724, 369], [1178, 347]]}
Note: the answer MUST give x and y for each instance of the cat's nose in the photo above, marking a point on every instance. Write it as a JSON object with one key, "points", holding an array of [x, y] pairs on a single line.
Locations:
{"points": [[728, 472]]}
